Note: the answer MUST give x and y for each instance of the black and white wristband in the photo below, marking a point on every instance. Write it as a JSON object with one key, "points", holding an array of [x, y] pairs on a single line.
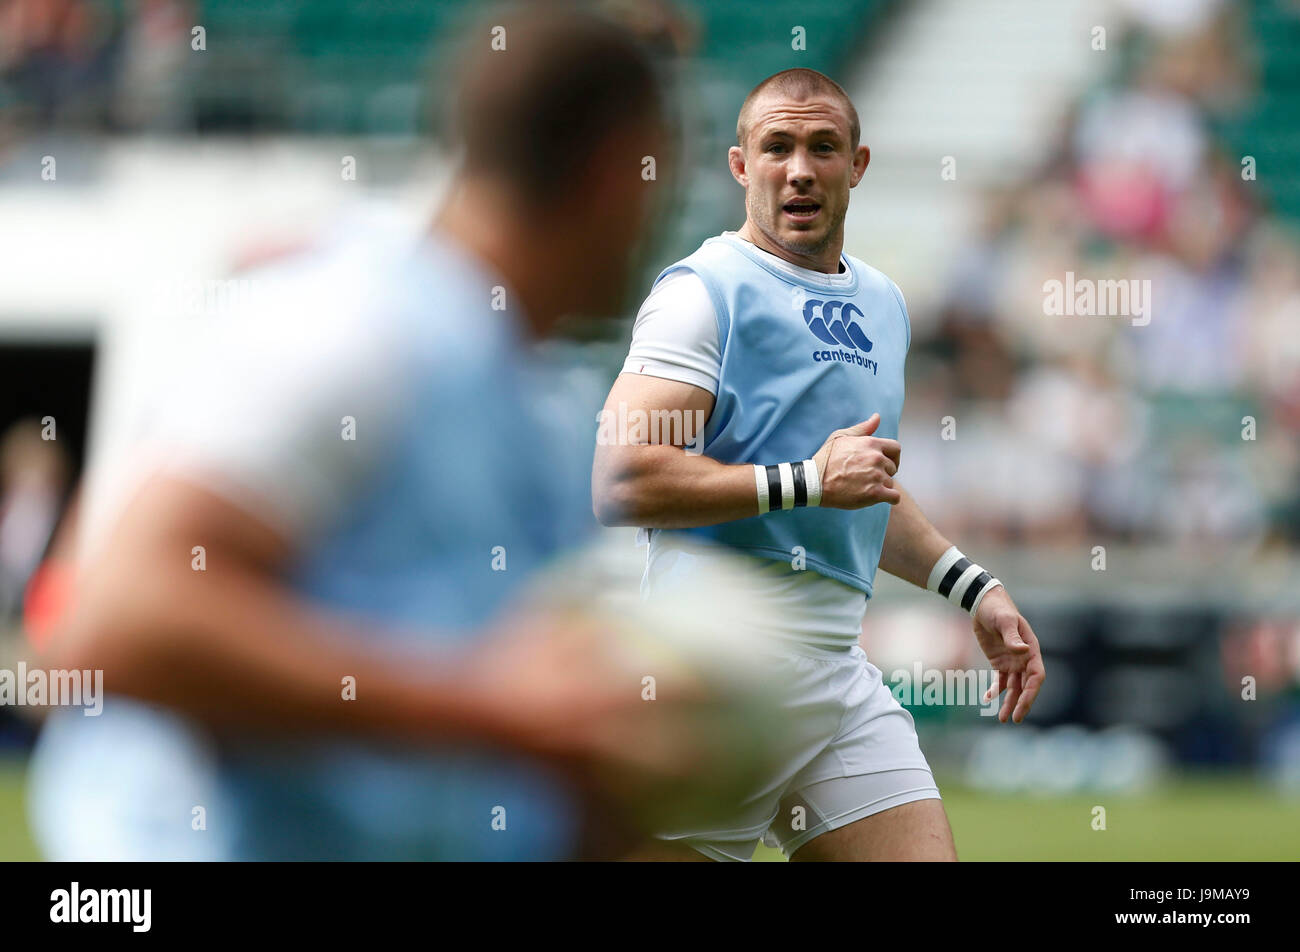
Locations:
{"points": [[787, 486], [960, 580]]}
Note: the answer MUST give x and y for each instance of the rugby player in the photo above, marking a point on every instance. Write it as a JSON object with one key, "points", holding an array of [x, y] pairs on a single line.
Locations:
{"points": [[793, 352], [287, 574]]}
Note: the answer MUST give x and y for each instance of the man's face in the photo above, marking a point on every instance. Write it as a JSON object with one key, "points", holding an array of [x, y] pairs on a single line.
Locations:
{"points": [[797, 165]]}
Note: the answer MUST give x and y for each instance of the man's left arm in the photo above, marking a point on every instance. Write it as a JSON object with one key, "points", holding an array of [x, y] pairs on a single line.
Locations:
{"points": [[913, 547]]}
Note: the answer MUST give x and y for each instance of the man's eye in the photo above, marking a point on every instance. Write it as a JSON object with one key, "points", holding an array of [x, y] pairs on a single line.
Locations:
{"points": [[776, 147]]}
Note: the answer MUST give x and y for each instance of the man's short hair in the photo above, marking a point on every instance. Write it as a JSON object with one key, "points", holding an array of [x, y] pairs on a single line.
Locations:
{"points": [[565, 81], [798, 83]]}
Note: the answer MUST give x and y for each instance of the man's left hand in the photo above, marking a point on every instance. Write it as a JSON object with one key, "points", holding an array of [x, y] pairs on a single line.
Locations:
{"points": [[1012, 649]]}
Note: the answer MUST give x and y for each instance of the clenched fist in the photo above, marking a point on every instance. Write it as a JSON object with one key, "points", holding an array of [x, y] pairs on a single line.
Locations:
{"points": [[857, 469]]}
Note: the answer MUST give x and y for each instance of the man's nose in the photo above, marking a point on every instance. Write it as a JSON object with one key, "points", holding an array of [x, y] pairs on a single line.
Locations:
{"points": [[800, 169]]}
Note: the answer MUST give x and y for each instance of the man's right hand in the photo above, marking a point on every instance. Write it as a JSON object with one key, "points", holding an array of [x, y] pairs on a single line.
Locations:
{"points": [[857, 469], [569, 687], [569, 690]]}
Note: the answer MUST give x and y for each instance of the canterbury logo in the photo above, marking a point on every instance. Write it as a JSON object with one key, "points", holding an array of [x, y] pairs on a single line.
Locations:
{"points": [[835, 324]]}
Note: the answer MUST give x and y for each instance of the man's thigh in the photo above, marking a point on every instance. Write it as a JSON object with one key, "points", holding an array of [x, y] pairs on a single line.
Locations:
{"points": [[814, 697], [915, 831], [871, 777]]}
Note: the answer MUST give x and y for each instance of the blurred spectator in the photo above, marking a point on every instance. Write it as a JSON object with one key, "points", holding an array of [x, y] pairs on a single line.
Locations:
{"points": [[33, 480], [1120, 429], [53, 59], [155, 47]]}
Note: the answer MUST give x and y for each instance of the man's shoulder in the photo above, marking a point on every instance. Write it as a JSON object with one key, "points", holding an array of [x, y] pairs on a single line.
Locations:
{"points": [[385, 306], [876, 281], [712, 253], [872, 277]]}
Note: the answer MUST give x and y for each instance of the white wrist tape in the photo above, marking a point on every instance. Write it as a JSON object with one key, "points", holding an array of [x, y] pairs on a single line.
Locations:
{"points": [[813, 480], [787, 485], [960, 580]]}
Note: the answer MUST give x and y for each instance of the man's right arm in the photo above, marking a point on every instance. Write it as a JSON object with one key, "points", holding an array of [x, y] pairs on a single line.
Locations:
{"points": [[232, 646], [663, 486]]}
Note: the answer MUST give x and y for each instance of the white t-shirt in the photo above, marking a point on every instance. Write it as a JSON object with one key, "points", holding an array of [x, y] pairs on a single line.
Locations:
{"points": [[675, 337]]}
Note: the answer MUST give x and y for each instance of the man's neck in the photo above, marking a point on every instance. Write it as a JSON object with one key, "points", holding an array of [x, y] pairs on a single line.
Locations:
{"points": [[484, 222], [826, 261]]}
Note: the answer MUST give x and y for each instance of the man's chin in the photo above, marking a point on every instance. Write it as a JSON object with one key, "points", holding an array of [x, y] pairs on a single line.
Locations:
{"points": [[804, 241]]}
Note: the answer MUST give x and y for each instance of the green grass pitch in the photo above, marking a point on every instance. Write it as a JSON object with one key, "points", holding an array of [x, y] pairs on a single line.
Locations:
{"points": [[1194, 818]]}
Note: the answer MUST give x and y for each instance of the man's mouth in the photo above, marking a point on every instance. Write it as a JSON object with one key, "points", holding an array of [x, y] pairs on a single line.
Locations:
{"points": [[802, 209]]}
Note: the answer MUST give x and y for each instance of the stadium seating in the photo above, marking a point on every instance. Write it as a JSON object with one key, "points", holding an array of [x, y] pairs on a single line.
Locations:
{"points": [[345, 68], [1270, 128]]}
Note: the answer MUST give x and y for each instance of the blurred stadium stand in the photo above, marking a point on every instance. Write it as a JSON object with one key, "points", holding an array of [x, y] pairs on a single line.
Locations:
{"points": [[1270, 125]]}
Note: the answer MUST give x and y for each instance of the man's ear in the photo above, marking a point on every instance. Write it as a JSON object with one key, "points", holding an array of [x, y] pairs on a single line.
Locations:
{"points": [[861, 159], [736, 162]]}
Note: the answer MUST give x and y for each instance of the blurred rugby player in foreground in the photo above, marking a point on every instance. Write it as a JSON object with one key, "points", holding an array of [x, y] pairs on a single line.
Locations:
{"points": [[314, 507], [794, 353]]}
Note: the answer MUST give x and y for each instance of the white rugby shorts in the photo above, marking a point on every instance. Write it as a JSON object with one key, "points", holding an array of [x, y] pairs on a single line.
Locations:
{"points": [[852, 751]]}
